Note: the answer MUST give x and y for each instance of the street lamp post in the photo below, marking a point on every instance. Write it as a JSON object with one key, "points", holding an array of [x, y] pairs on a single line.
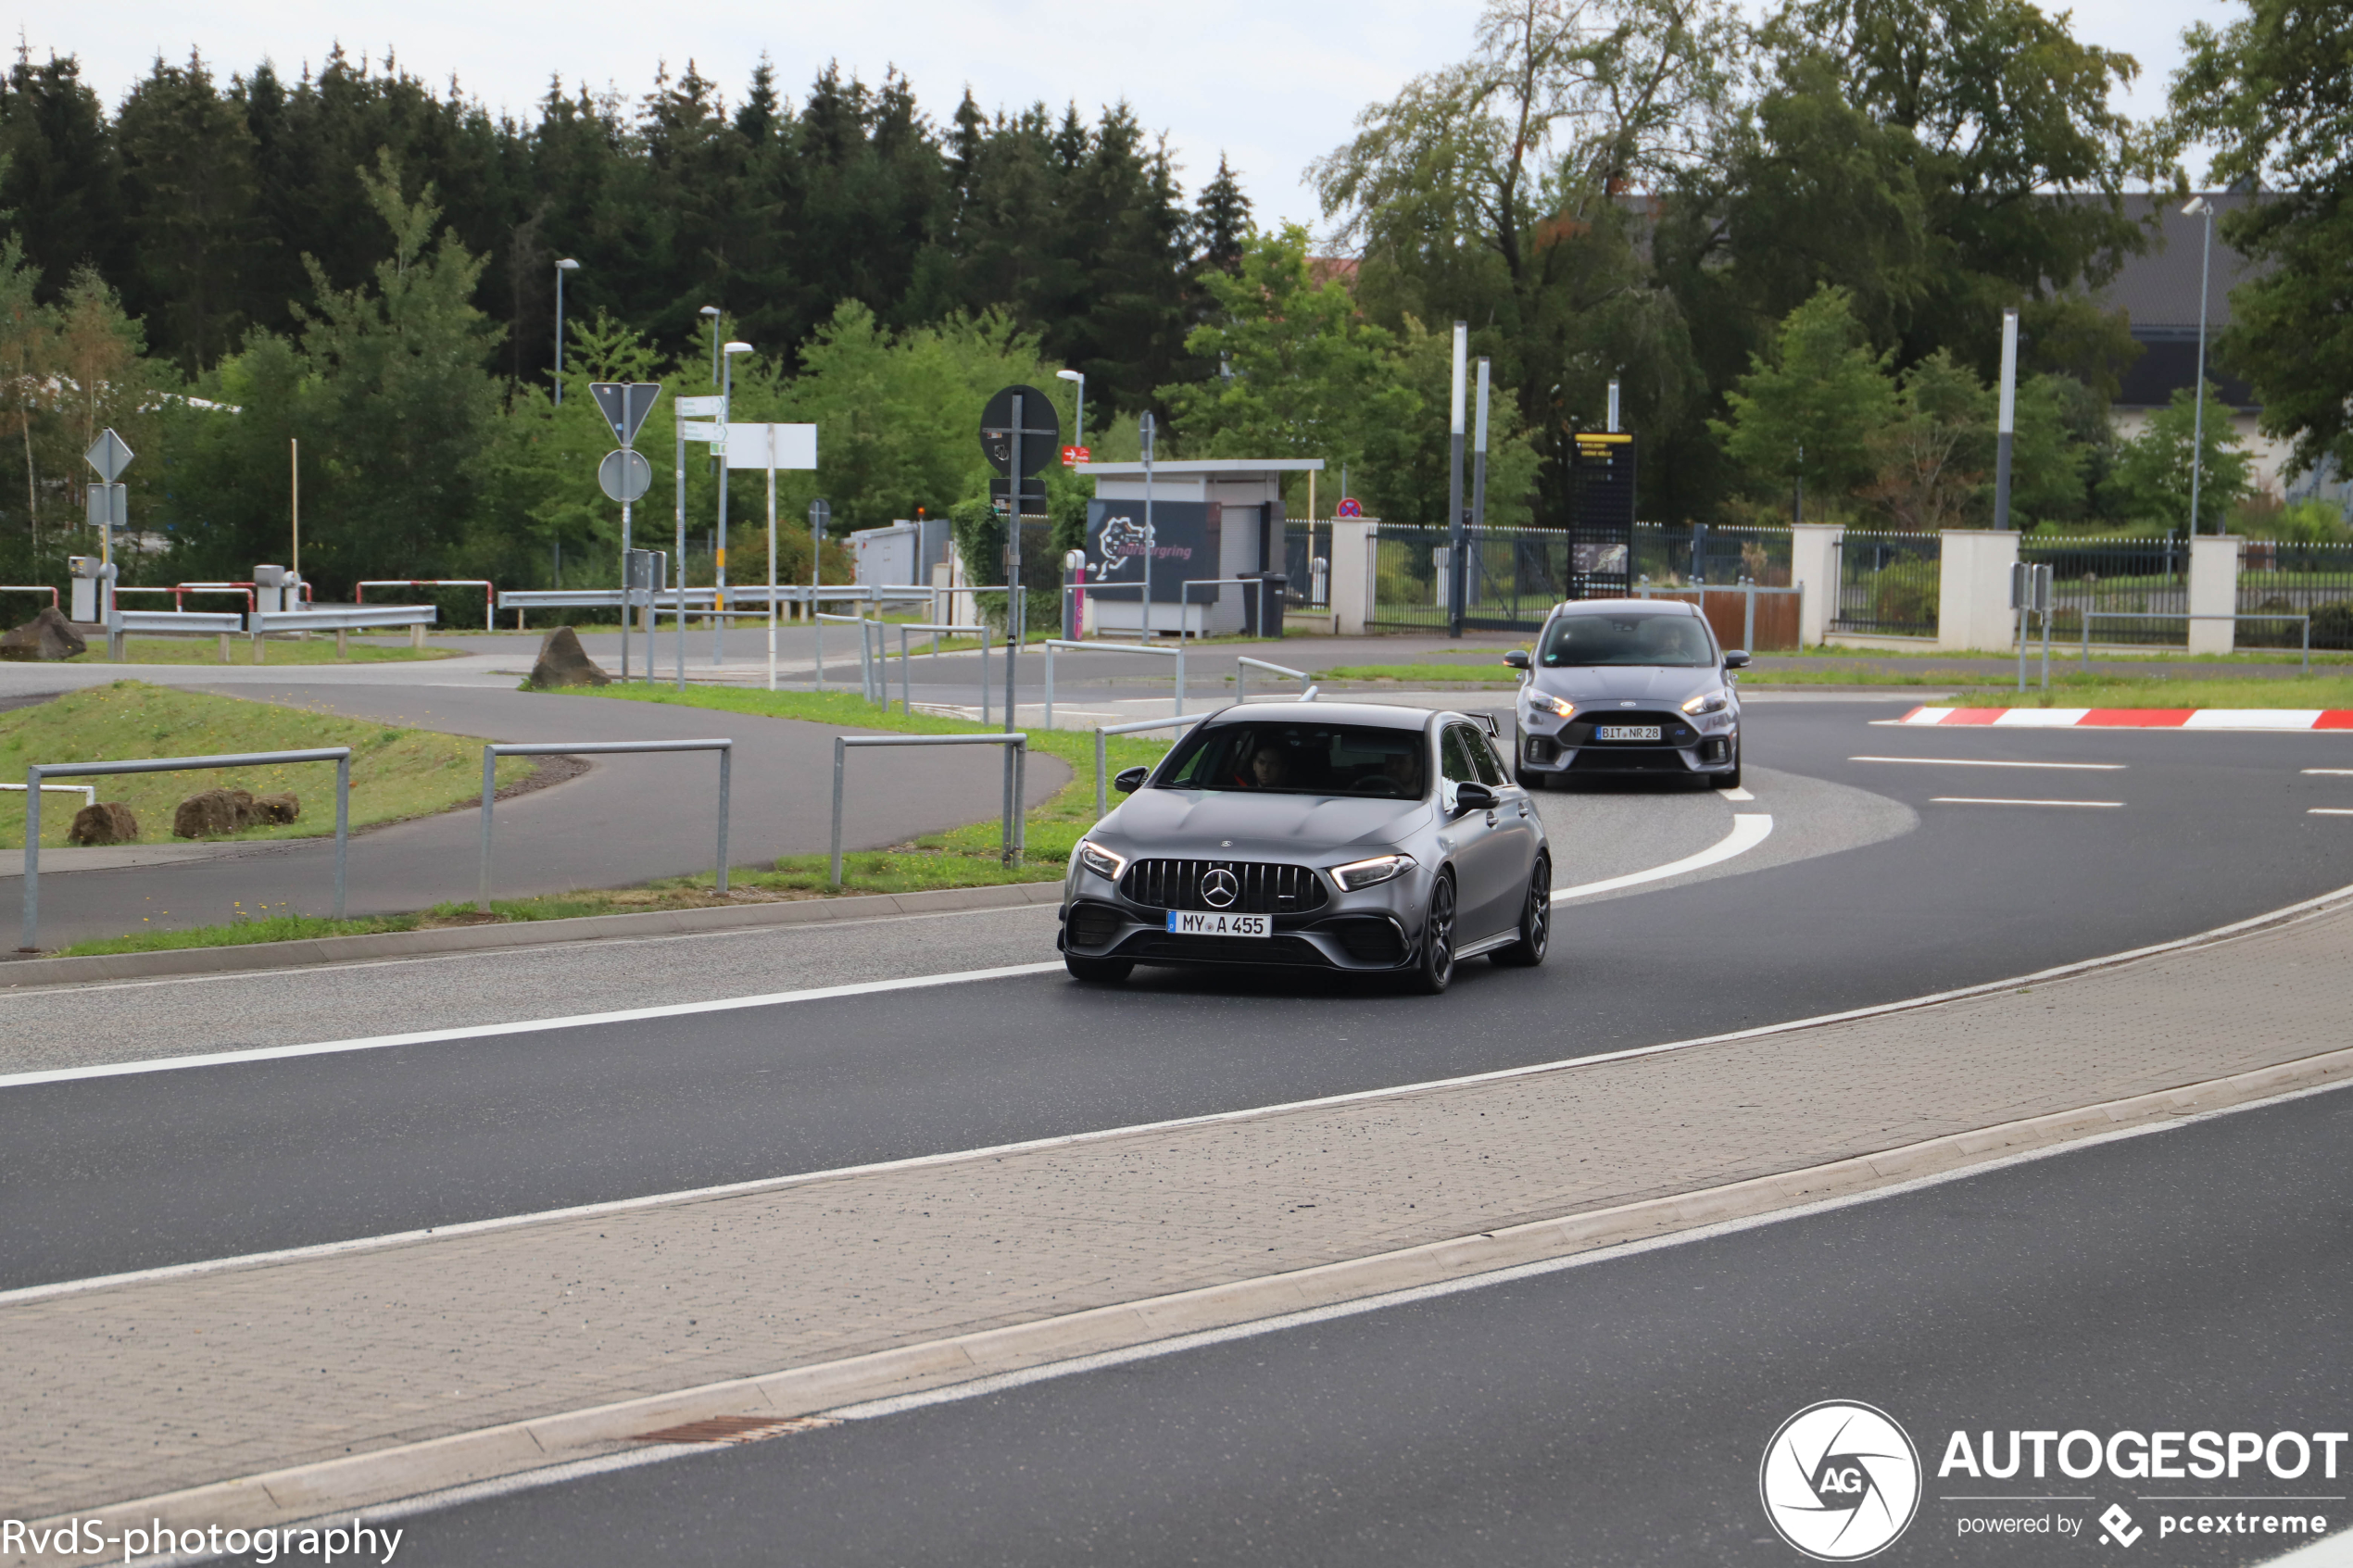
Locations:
{"points": [[566, 265], [1078, 426], [718, 566], [719, 602], [2200, 207]]}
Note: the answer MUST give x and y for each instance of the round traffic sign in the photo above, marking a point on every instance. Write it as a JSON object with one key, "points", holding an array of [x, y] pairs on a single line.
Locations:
{"points": [[625, 474], [1349, 507], [1041, 431]]}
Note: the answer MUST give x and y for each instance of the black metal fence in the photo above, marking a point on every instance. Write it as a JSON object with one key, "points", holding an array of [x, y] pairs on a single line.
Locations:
{"points": [[1888, 583], [1680, 555], [2281, 578], [2148, 576]]}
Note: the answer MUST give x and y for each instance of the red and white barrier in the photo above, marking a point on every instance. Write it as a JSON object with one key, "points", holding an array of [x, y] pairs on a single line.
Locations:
{"points": [[2135, 718]]}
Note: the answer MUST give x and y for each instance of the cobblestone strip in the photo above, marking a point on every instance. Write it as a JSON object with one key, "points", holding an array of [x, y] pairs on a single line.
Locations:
{"points": [[145, 1388]]}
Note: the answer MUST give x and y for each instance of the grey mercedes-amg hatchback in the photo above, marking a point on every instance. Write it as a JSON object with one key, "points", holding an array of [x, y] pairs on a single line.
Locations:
{"points": [[1326, 835]]}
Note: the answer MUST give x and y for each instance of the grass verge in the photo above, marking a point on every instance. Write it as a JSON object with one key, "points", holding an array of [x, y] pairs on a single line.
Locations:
{"points": [[396, 773]]}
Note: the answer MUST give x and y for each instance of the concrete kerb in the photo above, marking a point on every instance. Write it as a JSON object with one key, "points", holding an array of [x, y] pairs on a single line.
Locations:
{"points": [[17, 973], [306, 1492]]}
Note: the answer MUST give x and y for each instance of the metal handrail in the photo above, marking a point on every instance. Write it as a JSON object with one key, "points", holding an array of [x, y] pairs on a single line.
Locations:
{"points": [[1306, 694], [339, 755], [2092, 615], [31, 588], [1103, 785], [1050, 644], [1012, 836], [906, 676], [1185, 592], [490, 755], [89, 793]]}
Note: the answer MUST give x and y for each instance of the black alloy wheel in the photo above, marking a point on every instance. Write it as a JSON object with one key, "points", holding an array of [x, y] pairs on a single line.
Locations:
{"points": [[1535, 920], [1098, 971], [1436, 971]]}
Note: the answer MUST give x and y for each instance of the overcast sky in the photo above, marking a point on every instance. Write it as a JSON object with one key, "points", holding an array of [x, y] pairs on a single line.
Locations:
{"points": [[1271, 84]]}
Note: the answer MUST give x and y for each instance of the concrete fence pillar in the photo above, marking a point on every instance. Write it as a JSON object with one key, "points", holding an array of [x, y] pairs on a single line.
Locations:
{"points": [[1813, 569], [1352, 574], [1974, 589], [2214, 590]]}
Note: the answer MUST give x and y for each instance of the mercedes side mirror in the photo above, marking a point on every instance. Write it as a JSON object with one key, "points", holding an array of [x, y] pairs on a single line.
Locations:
{"points": [[1516, 658], [1736, 659], [1129, 780], [1473, 798]]}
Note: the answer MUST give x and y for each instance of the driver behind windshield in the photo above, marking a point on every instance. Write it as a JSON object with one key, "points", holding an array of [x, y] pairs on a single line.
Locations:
{"points": [[1299, 760], [1675, 641]]}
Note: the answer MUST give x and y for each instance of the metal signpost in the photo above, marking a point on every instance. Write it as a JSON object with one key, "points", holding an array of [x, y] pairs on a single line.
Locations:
{"points": [[625, 474], [770, 447], [820, 516], [2031, 594], [1146, 429], [1019, 432], [109, 510], [1454, 600], [696, 417]]}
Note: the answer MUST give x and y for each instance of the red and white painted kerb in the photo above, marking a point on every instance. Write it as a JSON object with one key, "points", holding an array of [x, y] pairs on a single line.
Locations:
{"points": [[2135, 718]]}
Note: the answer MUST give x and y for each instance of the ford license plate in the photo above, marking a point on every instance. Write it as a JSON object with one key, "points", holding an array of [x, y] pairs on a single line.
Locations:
{"points": [[1628, 732], [1195, 923]]}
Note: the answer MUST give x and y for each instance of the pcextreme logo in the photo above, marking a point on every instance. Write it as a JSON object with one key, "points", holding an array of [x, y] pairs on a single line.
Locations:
{"points": [[1840, 1481]]}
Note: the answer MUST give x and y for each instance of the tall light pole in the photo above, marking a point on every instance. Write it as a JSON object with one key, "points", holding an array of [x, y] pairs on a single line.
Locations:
{"points": [[727, 353], [566, 265], [1078, 426], [2006, 421], [1455, 599], [2200, 207], [711, 313]]}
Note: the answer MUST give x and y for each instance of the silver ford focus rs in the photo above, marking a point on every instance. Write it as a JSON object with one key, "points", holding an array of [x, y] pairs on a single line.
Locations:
{"points": [[1321, 836], [1628, 687]]}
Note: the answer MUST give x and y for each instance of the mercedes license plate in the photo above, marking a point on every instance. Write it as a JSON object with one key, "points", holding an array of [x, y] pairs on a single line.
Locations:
{"points": [[1192, 923], [1628, 732]]}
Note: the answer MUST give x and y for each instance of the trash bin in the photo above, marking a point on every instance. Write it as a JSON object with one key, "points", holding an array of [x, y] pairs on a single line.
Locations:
{"points": [[1263, 606]]}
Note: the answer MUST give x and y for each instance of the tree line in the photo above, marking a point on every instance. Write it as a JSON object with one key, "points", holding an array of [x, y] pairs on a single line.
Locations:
{"points": [[1810, 223]]}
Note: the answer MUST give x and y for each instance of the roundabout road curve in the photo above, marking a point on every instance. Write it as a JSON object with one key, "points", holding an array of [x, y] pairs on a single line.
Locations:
{"points": [[107, 1174]]}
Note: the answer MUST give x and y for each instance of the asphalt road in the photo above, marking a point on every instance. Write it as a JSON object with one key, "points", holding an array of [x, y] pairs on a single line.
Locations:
{"points": [[104, 1174], [1612, 1413]]}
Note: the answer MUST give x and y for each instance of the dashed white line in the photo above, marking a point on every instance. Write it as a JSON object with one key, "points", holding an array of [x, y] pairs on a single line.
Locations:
{"points": [[1980, 762], [1985, 800], [2331, 812], [2331, 772]]}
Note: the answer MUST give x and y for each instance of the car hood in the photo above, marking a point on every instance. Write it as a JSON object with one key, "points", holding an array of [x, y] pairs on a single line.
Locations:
{"points": [[1211, 823], [1629, 682]]}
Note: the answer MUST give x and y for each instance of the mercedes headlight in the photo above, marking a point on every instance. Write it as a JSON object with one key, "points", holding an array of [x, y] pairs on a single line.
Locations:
{"points": [[1358, 874], [1559, 708], [1706, 702], [1100, 860]]}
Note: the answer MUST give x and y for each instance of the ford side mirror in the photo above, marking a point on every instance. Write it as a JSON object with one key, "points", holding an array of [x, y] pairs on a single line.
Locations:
{"points": [[1473, 798], [1736, 659], [1516, 658], [1127, 781]]}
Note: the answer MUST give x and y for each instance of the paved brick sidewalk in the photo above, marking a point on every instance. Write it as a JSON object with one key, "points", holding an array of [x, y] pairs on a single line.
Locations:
{"points": [[133, 1390]]}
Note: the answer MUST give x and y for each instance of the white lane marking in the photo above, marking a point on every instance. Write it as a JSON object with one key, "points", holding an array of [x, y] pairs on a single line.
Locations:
{"points": [[2330, 811], [2331, 772], [1980, 763], [980, 1387], [485, 1030], [1068, 1140], [1985, 800], [1749, 830], [1738, 794]]}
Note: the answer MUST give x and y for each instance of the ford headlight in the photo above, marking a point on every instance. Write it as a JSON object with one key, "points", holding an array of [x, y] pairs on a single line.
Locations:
{"points": [[1100, 860], [1559, 708], [1359, 874], [1706, 702]]}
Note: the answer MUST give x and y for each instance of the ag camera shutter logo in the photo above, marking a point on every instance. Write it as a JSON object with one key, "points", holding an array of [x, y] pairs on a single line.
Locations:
{"points": [[1840, 1481]]}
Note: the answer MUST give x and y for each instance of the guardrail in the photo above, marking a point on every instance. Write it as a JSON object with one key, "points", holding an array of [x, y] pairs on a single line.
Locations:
{"points": [[1011, 835], [339, 755], [489, 591], [490, 755], [906, 676], [1053, 643], [89, 793], [221, 624], [1102, 785], [1307, 686], [2092, 615]]}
